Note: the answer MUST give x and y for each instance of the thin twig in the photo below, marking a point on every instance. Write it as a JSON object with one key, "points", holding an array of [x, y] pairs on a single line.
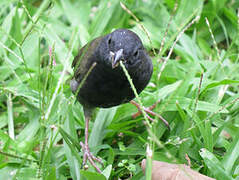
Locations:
{"points": [[17, 157], [35, 18], [20, 49], [10, 117], [27, 12], [42, 153], [140, 24], [59, 81], [12, 52], [150, 108], [213, 39], [167, 29], [218, 111], [198, 93], [224, 88], [172, 47], [85, 77], [135, 93], [237, 22], [152, 113]]}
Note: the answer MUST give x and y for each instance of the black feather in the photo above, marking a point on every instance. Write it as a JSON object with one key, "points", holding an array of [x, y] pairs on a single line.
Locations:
{"points": [[106, 86]]}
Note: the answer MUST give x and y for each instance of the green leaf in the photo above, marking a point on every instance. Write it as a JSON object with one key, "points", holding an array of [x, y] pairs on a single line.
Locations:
{"points": [[87, 175], [51, 174], [7, 26], [78, 14], [186, 9], [166, 90], [72, 155], [214, 165], [103, 119], [106, 11], [107, 171], [230, 158], [16, 27], [30, 50], [201, 106], [219, 83]]}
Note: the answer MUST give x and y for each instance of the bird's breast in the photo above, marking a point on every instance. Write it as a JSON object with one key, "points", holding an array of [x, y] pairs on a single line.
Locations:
{"points": [[105, 87]]}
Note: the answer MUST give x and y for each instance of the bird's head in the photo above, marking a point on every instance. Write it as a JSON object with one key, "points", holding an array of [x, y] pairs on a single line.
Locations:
{"points": [[122, 45]]}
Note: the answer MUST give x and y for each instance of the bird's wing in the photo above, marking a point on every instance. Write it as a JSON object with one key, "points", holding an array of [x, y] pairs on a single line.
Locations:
{"points": [[83, 61]]}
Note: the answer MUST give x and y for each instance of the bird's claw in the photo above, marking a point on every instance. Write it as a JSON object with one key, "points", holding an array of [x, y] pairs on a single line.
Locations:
{"points": [[89, 156]]}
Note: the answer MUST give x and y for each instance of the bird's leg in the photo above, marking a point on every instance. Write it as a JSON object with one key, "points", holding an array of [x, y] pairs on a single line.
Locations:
{"points": [[87, 154], [148, 111]]}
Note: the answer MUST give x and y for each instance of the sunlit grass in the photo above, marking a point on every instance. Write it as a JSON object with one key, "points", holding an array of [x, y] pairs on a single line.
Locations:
{"points": [[195, 78]]}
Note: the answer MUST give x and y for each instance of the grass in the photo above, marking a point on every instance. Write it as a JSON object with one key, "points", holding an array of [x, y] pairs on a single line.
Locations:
{"points": [[196, 79]]}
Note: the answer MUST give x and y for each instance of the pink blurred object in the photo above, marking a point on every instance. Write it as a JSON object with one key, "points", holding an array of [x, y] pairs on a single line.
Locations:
{"points": [[50, 55], [167, 171]]}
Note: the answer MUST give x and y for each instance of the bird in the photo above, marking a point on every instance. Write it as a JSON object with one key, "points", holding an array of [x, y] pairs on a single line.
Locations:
{"points": [[100, 82]]}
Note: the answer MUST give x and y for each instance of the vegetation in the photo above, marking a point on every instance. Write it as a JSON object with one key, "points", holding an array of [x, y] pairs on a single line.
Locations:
{"points": [[41, 124]]}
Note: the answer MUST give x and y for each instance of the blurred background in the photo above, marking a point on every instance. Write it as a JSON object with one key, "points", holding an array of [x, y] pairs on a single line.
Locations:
{"points": [[195, 78]]}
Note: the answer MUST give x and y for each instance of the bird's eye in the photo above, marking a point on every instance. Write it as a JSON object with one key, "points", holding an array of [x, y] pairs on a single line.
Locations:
{"points": [[136, 53], [109, 41]]}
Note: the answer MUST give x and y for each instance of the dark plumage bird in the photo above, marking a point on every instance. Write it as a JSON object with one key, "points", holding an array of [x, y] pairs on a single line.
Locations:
{"points": [[106, 85]]}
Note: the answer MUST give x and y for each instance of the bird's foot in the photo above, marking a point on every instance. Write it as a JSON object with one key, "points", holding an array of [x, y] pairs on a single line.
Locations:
{"points": [[89, 156], [149, 111]]}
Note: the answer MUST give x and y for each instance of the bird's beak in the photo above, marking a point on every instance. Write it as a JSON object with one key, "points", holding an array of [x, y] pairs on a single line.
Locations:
{"points": [[116, 57]]}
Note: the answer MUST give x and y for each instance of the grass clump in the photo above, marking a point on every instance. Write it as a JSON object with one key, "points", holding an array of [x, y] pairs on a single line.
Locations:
{"points": [[195, 77]]}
